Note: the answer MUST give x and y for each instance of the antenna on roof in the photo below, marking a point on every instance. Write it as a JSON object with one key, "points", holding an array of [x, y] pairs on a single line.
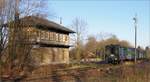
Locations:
{"points": [[60, 20]]}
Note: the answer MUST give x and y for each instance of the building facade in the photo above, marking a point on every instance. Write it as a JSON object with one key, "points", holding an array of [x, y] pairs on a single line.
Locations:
{"points": [[50, 41]]}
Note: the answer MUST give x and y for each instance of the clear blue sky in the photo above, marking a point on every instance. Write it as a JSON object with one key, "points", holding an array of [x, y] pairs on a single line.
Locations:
{"points": [[108, 16]]}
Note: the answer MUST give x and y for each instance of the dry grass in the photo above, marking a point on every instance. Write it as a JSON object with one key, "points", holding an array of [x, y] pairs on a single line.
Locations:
{"points": [[118, 73]]}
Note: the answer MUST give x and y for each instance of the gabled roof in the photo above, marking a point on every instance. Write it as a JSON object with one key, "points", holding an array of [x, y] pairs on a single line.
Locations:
{"points": [[44, 24], [38, 21]]}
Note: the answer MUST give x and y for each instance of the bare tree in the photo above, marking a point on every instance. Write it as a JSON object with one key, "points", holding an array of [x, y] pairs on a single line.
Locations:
{"points": [[80, 27], [15, 47], [34, 7], [90, 47], [2, 33]]}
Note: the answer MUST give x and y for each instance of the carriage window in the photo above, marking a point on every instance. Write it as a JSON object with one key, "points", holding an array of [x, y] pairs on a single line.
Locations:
{"points": [[113, 50]]}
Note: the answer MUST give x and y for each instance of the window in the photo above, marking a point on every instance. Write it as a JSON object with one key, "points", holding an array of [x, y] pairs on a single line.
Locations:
{"points": [[61, 37], [38, 33], [57, 37], [42, 35], [66, 37], [47, 35], [51, 36], [29, 31], [32, 33], [54, 36]]}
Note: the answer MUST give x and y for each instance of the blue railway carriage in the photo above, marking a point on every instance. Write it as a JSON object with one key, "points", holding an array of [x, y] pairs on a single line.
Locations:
{"points": [[117, 53]]}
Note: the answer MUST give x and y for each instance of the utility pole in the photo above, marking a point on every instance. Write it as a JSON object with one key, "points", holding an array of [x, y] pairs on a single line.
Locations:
{"points": [[149, 36], [135, 25]]}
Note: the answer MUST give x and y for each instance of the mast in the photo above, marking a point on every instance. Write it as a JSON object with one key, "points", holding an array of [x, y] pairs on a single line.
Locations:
{"points": [[135, 26]]}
